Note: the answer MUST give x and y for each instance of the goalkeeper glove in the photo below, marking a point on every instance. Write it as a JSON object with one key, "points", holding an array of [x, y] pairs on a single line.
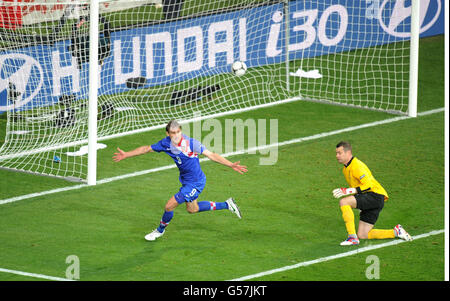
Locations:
{"points": [[341, 192]]}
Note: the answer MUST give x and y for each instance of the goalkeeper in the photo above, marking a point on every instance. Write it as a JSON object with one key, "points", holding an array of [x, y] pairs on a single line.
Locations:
{"points": [[365, 194], [184, 151]]}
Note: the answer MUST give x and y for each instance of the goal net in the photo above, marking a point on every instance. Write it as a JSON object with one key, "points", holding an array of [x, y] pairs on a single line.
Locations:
{"points": [[171, 59]]}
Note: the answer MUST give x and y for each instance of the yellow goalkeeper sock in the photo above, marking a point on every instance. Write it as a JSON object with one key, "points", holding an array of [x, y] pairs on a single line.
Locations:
{"points": [[380, 234], [349, 219]]}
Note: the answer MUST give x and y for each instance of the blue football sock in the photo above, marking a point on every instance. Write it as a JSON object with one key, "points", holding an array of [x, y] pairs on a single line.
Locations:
{"points": [[206, 206], [221, 205], [165, 220]]}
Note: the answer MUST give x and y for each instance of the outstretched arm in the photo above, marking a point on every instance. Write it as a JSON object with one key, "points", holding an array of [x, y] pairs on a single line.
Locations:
{"points": [[219, 159], [121, 155]]}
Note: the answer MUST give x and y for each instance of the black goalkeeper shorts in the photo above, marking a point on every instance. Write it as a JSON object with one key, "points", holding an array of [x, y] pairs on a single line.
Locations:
{"points": [[370, 204]]}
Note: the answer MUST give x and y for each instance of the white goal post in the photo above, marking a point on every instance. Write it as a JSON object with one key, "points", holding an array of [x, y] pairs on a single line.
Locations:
{"points": [[74, 73], [414, 58], [93, 92]]}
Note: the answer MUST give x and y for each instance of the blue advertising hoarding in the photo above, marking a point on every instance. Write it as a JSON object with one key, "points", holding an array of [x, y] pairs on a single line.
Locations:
{"points": [[176, 51]]}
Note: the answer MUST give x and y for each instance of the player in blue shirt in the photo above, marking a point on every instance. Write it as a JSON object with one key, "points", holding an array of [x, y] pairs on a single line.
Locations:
{"points": [[185, 151]]}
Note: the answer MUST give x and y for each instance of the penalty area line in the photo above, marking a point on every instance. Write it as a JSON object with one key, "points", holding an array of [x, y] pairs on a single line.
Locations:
{"points": [[336, 256], [254, 149]]}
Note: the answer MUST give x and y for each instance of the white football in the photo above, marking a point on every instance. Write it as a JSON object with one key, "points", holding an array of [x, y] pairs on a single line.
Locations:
{"points": [[239, 68]]}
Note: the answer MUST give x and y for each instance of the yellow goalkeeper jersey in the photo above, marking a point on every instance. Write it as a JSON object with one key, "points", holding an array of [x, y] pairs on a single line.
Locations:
{"points": [[359, 176]]}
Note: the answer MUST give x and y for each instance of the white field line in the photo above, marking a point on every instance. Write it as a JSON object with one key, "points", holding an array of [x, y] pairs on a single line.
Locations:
{"points": [[332, 257], [250, 150], [286, 268], [34, 275]]}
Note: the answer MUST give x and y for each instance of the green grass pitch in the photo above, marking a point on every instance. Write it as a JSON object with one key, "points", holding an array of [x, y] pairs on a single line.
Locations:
{"points": [[289, 214]]}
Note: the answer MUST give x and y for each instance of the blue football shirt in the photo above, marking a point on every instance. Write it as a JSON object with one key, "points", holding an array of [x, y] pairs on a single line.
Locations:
{"points": [[185, 156]]}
